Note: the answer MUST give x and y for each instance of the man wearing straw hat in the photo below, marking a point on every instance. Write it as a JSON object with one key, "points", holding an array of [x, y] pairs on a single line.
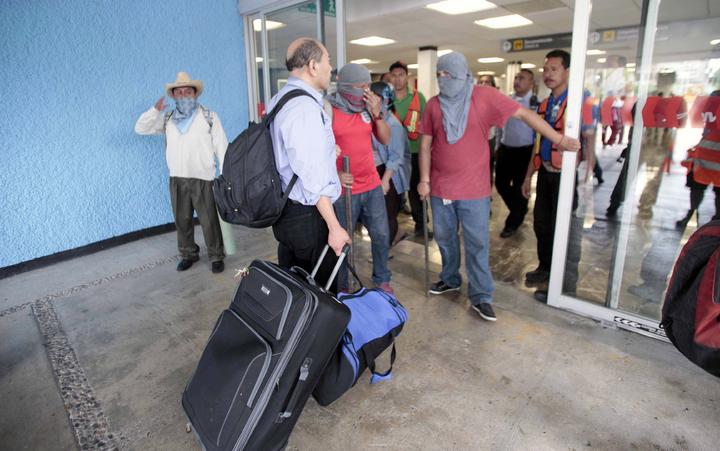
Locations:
{"points": [[194, 140]]}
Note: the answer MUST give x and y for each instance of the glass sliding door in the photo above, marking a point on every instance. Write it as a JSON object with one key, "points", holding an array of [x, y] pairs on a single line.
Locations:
{"points": [[271, 31], [649, 67]]}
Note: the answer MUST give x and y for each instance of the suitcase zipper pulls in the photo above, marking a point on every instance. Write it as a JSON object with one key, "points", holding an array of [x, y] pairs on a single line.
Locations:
{"points": [[242, 272]]}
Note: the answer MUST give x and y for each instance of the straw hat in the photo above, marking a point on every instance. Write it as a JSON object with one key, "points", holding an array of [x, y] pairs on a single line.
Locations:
{"points": [[183, 79]]}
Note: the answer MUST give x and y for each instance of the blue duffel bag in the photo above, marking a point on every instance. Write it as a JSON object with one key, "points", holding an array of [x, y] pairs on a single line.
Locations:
{"points": [[377, 317]]}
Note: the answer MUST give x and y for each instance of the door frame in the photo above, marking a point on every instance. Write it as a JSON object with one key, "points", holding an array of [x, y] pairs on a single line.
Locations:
{"points": [[258, 9], [608, 315]]}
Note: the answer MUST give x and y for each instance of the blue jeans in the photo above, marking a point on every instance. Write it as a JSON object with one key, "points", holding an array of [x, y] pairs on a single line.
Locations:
{"points": [[370, 207], [474, 216]]}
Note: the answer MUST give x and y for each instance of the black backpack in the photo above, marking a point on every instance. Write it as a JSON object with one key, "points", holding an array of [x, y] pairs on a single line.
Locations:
{"points": [[249, 191], [691, 312]]}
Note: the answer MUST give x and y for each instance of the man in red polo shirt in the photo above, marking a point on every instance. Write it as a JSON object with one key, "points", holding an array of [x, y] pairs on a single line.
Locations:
{"points": [[356, 116], [455, 172]]}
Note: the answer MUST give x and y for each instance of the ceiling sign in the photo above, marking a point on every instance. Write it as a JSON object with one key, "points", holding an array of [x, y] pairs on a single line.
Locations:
{"points": [[328, 7], [610, 35], [551, 41], [597, 39]]}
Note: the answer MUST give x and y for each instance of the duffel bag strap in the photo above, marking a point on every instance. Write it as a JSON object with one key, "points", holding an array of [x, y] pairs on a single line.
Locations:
{"points": [[353, 272], [387, 375]]}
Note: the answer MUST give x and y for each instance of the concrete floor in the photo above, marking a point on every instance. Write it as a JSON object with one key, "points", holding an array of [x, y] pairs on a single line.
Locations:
{"points": [[95, 353]]}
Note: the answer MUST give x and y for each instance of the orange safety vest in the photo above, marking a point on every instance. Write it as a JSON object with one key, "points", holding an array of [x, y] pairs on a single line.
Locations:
{"points": [[555, 155], [412, 118], [706, 159]]}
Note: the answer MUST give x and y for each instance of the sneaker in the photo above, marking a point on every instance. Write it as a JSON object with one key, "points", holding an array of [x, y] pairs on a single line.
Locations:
{"points": [[538, 275], [485, 311], [218, 267], [441, 287], [185, 264], [385, 286]]}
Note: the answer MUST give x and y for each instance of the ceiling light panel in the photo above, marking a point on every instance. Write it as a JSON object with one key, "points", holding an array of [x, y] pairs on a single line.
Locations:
{"points": [[364, 61], [269, 25], [511, 21], [493, 59], [372, 41], [454, 7]]}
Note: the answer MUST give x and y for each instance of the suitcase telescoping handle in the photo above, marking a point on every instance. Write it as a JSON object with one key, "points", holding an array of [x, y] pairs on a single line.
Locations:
{"points": [[335, 270]]}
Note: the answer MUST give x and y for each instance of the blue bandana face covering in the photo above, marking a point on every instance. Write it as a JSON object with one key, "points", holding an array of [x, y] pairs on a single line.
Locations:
{"points": [[184, 112], [185, 107]]}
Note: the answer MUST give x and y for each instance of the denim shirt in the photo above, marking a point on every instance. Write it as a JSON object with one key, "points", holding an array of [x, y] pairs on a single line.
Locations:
{"points": [[304, 144], [396, 155], [517, 133]]}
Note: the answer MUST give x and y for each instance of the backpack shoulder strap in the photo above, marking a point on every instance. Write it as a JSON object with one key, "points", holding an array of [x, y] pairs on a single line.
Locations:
{"points": [[208, 115], [166, 119], [328, 109], [283, 100]]}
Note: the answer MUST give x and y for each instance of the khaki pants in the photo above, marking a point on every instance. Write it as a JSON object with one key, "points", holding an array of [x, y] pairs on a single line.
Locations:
{"points": [[195, 194]]}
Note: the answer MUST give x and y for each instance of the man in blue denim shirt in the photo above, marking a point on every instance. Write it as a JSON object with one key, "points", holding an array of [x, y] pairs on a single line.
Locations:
{"points": [[392, 160], [303, 143]]}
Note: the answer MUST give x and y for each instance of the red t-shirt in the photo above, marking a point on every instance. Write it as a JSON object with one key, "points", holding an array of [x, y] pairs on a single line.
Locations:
{"points": [[461, 171], [353, 134]]}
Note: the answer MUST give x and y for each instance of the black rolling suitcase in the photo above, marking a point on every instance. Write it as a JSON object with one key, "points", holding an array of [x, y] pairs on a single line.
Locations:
{"points": [[263, 359]]}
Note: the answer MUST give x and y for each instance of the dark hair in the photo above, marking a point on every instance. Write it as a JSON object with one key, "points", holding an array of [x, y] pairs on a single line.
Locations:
{"points": [[492, 79], [309, 50], [557, 53], [528, 71], [398, 65]]}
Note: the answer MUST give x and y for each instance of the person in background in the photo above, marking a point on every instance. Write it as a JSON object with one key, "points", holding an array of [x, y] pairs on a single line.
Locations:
{"points": [[409, 107], [489, 81], [390, 160], [357, 115], [702, 172], [514, 154], [195, 146], [556, 75]]}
